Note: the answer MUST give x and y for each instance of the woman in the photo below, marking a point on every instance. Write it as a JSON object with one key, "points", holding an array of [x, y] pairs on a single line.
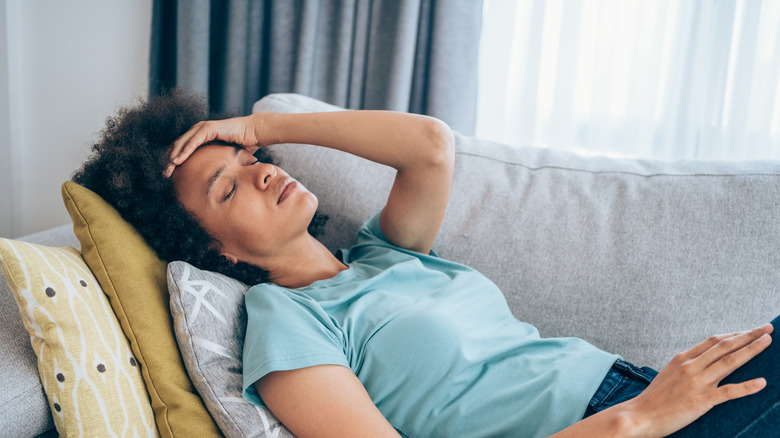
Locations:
{"points": [[386, 337]]}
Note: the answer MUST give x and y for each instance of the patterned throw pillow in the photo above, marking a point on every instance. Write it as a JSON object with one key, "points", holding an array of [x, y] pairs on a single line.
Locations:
{"points": [[88, 371], [134, 279], [210, 321]]}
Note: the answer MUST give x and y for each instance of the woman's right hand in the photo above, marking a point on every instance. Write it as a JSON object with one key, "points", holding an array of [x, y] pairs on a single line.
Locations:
{"points": [[247, 131]]}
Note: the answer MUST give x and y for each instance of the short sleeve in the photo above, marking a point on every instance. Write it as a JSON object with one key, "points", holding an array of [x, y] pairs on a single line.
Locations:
{"points": [[370, 234], [286, 331]]}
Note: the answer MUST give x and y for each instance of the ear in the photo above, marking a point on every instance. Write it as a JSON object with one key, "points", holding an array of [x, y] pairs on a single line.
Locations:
{"points": [[233, 259], [218, 247]]}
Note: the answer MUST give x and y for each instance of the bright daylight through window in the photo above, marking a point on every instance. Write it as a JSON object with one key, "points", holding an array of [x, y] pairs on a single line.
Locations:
{"points": [[662, 79]]}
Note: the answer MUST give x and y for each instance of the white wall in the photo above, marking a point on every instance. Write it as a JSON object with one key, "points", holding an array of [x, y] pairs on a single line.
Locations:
{"points": [[6, 198], [64, 67]]}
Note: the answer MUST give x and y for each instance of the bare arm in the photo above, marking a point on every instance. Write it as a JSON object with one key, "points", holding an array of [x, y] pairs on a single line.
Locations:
{"points": [[323, 401], [420, 148]]}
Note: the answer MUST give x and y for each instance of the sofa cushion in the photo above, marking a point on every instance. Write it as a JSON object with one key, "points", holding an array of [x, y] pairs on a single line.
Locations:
{"points": [[134, 279], [210, 322], [642, 258], [90, 376]]}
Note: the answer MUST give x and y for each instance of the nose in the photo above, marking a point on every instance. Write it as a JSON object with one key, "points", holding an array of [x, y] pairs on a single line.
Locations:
{"points": [[265, 173]]}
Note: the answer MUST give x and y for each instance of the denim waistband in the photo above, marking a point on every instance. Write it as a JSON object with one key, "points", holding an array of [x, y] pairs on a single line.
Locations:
{"points": [[623, 381]]}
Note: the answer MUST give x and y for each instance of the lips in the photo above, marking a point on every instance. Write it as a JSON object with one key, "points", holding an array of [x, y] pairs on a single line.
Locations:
{"points": [[288, 189]]}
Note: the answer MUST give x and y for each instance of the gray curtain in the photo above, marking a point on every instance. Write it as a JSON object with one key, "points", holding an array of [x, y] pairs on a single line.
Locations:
{"points": [[408, 55]]}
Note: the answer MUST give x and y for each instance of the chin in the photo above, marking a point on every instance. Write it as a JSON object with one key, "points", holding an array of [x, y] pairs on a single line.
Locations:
{"points": [[310, 213], [313, 201], [315, 221]]}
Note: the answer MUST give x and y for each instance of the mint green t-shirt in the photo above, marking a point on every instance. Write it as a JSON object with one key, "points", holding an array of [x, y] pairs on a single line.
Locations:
{"points": [[433, 342]]}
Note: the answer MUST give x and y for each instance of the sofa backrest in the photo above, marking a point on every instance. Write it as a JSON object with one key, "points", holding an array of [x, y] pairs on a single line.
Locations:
{"points": [[642, 258]]}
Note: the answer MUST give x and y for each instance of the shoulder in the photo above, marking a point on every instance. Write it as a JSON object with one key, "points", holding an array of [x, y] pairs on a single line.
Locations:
{"points": [[283, 324], [374, 248], [270, 298]]}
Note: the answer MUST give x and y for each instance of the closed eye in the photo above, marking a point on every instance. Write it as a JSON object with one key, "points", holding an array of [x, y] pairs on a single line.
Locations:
{"points": [[230, 194]]}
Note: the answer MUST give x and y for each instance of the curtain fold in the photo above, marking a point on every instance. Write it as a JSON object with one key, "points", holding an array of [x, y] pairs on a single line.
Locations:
{"points": [[408, 55]]}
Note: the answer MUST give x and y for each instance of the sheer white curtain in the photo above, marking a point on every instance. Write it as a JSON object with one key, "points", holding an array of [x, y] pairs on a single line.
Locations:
{"points": [[663, 79]]}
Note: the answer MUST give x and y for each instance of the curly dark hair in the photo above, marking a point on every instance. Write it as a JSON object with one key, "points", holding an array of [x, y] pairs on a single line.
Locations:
{"points": [[126, 169]]}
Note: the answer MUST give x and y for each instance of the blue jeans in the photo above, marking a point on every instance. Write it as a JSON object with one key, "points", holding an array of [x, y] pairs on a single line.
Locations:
{"points": [[755, 416]]}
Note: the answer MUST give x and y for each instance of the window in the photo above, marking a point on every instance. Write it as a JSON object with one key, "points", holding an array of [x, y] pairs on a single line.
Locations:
{"points": [[662, 79]]}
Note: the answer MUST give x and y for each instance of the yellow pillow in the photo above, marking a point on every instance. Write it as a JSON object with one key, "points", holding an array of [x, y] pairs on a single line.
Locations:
{"points": [[134, 279], [89, 374]]}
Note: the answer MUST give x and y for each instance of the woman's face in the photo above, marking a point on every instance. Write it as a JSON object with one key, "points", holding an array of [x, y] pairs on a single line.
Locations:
{"points": [[255, 210]]}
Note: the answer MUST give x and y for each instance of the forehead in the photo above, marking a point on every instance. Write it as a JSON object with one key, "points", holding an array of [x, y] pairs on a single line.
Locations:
{"points": [[202, 165], [209, 156]]}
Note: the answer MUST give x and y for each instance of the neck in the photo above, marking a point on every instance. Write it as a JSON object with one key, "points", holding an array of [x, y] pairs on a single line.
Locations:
{"points": [[310, 262]]}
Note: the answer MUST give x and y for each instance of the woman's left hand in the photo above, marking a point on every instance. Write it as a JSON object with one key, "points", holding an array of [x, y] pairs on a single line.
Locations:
{"points": [[690, 385], [683, 391], [247, 132]]}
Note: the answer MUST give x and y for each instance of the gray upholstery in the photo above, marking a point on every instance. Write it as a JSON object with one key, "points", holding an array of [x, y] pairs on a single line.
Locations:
{"points": [[24, 409], [642, 258]]}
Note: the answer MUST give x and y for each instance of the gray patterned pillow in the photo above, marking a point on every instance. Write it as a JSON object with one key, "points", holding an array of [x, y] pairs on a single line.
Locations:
{"points": [[210, 321]]}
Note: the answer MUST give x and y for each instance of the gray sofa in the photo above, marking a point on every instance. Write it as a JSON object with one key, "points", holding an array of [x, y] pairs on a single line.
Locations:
{"points": [[641, 258]]}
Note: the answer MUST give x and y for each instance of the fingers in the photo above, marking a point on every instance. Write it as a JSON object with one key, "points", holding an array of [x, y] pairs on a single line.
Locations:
{"points": [[731, 357], [201, 133], [239, 131], [704, 346], [740, 346], [720, 355], [737, 390], [716, 346], [185, 145], [168, 171]]}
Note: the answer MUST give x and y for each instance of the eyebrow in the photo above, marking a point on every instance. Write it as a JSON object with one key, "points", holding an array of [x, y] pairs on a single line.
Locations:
{"points": [[218, 172]]}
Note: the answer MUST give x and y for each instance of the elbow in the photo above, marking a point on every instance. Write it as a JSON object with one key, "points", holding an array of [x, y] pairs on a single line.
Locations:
{"points": [[440, 143]]}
